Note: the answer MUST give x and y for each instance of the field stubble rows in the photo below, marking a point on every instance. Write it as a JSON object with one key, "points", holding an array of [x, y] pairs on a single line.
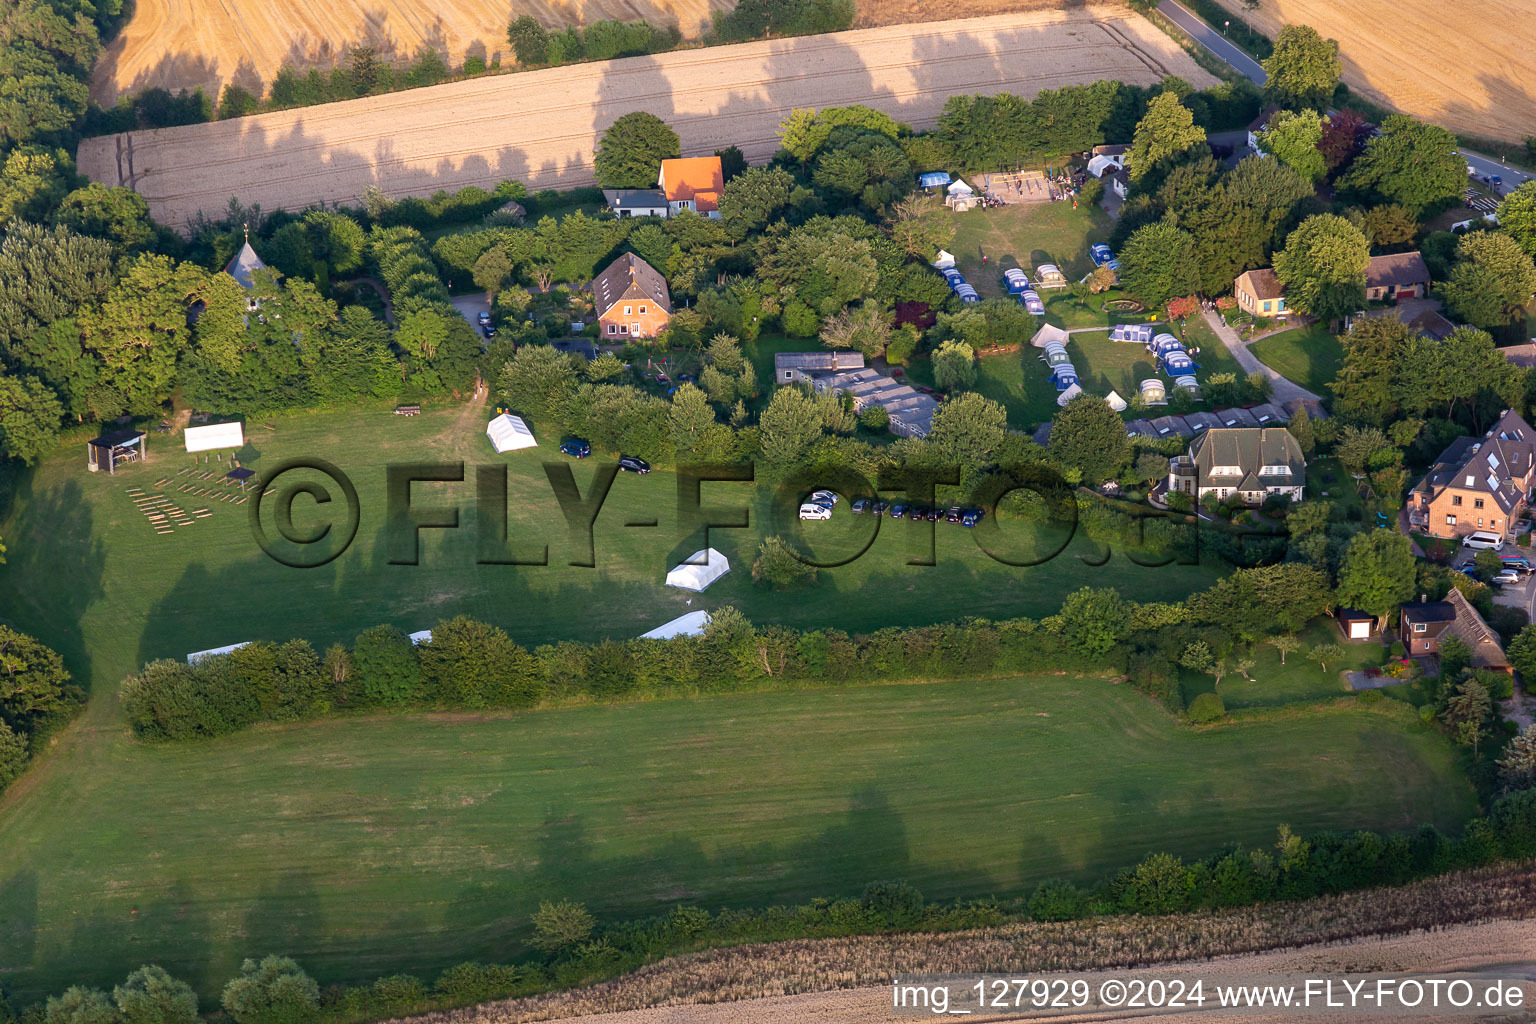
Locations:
{"points": [[541, 127]]}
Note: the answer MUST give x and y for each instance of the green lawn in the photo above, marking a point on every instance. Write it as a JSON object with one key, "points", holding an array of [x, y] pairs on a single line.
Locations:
{"points": [[1025, 235], [1019, 382], [364, 847], [1310, 356], [1299, 679], [81, 553]]}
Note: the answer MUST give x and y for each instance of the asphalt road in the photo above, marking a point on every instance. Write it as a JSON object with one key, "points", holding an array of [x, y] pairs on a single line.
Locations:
{"points": [[1211, 39]]}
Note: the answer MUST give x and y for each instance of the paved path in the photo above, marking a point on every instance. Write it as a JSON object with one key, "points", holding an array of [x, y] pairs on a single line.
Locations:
{"points": [[1285, 389], [1212, 39]]}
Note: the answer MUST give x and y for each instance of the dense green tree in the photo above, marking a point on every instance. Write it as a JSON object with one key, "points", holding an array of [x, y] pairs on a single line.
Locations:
{"points": [[474, 665], [1234, 217], [117, 214], [1323, 267], [1292, 137], [237, 101], [274, 990], [529, 40], [954, 366], [151, 996], [541, 382], [1090, 435], [1303, 69], [13, 756], [1164, 135], [790, 426], [824, 264], [558, 926], [1517, 216], [755, 198], [630, 151], [922, 226], [1492, 280], [1158, 263], [1253, 604], [33, 681], [1092, 619], [1389, 226], [1411, 163], [79, 1005], [1364, 386], [1344, 136], [696, 435], [388, 671], [1440, 378], [805, 131], [777, 565], [1300, 428], [46, 276], [865, 327], [1517, 765], [32, 181], [968, 430], [29, 418], [139, 332], [1378, 572]]}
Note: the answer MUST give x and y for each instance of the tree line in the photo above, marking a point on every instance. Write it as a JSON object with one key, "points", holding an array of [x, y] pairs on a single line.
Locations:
{"points": [[38, 697]]}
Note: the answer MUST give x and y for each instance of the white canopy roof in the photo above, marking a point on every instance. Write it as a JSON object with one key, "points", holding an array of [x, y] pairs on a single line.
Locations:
{"points": [[1066, 396], [958, 187], [1101, 163], [710, 566], [215, 436], [691, 624], [1114, 401], [944, 260], [509, 433], [197, 656], [421, 636]]}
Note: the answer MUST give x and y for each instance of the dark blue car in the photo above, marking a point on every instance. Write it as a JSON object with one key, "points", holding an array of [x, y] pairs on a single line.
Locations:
{"points": [[576, 448]]}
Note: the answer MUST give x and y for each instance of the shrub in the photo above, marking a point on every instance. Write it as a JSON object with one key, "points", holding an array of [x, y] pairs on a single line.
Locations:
{"points": [[1207, 707], [475, 982], [777, 565], [892, 904], [1057, 901], [388, 670], [557, 926], [274, 990], [151, 996]]}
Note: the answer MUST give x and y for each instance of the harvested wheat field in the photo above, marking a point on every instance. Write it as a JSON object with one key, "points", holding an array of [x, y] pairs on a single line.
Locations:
{"points": [[183, 44], [1468, 64], [540, 127], [1482, 920]]}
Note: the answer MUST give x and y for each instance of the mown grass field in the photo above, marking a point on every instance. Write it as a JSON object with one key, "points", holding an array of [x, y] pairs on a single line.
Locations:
{"points": [[1310, 356], [364, 847]]}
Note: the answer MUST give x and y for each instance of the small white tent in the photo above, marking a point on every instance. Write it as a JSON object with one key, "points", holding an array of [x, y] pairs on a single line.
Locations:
{"points": [[1097, 166], [944, 261], [421, 636], [1066, 396], [691, 624], [699, 570], [509, 433], [1049, 333], [1114, 401]]}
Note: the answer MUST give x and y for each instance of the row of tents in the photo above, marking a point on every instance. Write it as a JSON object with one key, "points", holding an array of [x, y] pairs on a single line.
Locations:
{"points": [[1059, 362], [1017, 283], [959, 285]]}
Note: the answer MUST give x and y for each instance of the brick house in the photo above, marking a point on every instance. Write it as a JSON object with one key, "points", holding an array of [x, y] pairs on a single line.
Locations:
{"points": [[1424, 625], [693, 183], [1254, 462], [631, 299], [1397, 276], [1477, 483]]}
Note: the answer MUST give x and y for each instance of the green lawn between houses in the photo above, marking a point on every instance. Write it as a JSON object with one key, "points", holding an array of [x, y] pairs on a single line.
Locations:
{"points": [[1310, 356], [365, 847]]}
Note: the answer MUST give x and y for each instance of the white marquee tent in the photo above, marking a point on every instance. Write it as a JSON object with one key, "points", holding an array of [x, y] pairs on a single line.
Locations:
{"points": [[1066, 396], [1115, 402], [709, 566], [215, 437], [691, 624], [508, 433], [197, 656], [421, 636], [945, 260]]}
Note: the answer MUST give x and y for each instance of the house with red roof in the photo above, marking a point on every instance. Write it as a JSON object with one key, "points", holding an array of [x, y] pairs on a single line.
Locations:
{"points": [[692, 183]]}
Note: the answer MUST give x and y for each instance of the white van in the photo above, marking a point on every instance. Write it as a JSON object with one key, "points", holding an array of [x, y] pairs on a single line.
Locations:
{"points": [[1482, 539], [809, 511]]}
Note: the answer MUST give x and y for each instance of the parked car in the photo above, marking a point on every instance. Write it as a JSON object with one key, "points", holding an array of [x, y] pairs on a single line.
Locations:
{"points": [[634, 464], [953, 515], [826, 498], [972, 517], [484, 317], [810, 511], [859, 507], [935, 514], [1483, 540], [880, 507], [488, 330], [1506, 577], [576, 448], [897, 511]]}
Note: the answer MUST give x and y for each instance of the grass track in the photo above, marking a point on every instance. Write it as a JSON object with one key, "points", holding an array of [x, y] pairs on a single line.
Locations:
{"points": [[368, 846]]}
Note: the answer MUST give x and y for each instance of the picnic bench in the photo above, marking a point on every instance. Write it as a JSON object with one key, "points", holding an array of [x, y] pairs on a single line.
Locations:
{"points": [[407, 410]]}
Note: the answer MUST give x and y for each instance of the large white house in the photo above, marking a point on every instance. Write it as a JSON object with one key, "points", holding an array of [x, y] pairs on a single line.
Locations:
{"points": [[1254, 462]]}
